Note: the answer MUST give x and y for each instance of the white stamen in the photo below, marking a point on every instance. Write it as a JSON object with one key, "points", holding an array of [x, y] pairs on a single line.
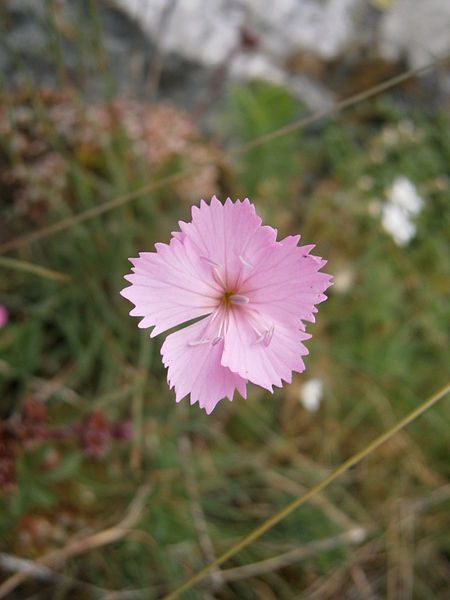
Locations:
{"points": [[238, 299], [199, 342], [214, 316], [245, 262], [218, 277], [264, 336], [258, 333], [255, 329], [260, 338], [269, 335], [209, 261], [221, 328]]}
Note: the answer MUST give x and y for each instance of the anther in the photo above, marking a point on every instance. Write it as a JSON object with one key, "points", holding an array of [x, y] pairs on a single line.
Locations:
{"points": [[238, 299], [216, 340]]}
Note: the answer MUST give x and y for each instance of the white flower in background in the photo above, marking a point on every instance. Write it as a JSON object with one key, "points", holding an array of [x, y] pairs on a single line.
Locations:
{"points": [[311, 394], [403, 203], [398, 223], [404, 193]]}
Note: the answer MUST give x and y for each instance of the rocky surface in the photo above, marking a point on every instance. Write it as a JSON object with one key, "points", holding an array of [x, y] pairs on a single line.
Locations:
{"points": [[290, 32], [184, 46], [208, 31], [416, 30]]}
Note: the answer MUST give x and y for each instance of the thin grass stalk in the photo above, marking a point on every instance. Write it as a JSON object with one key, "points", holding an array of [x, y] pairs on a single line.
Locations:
{"points": [[234, 151], [300, 500], [27, 267]]}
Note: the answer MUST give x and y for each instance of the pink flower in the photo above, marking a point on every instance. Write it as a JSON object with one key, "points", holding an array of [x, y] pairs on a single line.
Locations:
{"points": [[249, 293], [4, 316]]}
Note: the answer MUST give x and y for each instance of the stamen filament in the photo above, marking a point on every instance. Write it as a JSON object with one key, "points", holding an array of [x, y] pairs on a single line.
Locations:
{"points": [[260, 327], [269, 335], [218, 277], [199, 342], [209, 261], [260, 338], [245, 262]]}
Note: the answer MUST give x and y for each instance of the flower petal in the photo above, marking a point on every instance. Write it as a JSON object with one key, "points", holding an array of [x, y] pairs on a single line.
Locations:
{"points": [[285, 284], [229, 235], [194, 367], [265, 363], [170, 286]]}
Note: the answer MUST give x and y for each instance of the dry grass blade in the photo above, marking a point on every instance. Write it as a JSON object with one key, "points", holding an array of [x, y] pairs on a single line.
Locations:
{"points": [[197, 513], [95, 211], [9, 562], [338, 107], [27, 267], [329, 585], [284, 512], [237, 150], [83, 544], [354, 536]]}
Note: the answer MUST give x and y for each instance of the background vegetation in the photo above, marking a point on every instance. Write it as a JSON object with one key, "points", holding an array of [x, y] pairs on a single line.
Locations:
{"points": [[88, 419]]}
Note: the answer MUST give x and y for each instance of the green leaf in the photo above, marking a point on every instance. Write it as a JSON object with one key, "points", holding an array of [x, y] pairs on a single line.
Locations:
{"points": [[65, 469]]}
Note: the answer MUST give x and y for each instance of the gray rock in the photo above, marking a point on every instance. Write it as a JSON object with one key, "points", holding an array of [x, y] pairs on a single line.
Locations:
{"points": [[207, 33], [417, 30], [196, 44]]}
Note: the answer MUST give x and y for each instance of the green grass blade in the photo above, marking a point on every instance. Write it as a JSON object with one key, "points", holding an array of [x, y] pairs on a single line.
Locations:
{"points": [[27, 267], [300, 500]]}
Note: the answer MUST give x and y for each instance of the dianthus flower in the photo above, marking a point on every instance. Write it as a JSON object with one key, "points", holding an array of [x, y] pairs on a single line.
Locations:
{"points": [[4, 316], [248, 292]]}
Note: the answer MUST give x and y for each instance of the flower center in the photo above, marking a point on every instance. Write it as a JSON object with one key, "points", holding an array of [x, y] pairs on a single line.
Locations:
{"points": [[238, 299], [229, 301]]}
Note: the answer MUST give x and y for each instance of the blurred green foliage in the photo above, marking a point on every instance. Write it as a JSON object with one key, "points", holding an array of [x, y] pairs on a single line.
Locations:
{"points": [[380, 346]]}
